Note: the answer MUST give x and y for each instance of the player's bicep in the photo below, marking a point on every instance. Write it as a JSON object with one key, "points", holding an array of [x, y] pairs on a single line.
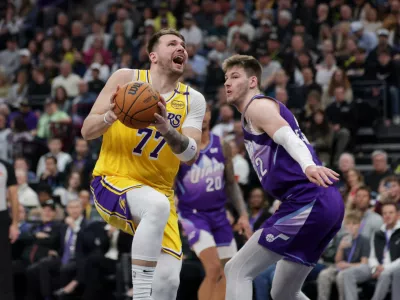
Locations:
{"points": [[121, 77], [265, 116]]}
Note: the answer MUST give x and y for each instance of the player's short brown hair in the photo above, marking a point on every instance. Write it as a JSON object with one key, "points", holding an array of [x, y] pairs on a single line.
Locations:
{"points": [[156, 37], [250, 65], [352, 216]]}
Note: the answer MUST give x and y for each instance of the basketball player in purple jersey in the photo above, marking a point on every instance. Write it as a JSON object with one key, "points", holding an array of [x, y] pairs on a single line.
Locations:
{"points": [[202, 191], [312, 209]]}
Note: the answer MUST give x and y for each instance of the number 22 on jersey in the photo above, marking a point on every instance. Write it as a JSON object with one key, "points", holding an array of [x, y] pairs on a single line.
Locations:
{"points": [[147, 134]]}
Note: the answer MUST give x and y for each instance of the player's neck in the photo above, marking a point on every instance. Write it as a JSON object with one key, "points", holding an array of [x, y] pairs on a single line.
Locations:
{"points": [[161, 82], [205, 139], [250, 94]]}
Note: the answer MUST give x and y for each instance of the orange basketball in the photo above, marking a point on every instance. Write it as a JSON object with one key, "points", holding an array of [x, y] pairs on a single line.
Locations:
{"points": [[136, 104]]}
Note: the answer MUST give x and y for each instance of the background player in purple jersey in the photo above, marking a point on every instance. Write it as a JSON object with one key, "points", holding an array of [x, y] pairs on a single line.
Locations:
{"points": [[311, 211], [202, 191]]}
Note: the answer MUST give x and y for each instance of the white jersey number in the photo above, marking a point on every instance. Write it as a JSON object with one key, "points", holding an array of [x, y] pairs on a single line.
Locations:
{"points": [[260, 167], [213, 184]]}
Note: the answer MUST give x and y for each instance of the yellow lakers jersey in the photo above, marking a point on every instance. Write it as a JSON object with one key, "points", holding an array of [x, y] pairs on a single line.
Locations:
{"points": [[143, 154]]}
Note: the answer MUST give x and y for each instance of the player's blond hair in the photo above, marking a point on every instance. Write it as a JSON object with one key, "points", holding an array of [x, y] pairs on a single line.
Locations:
{"points": [[250, 65]]}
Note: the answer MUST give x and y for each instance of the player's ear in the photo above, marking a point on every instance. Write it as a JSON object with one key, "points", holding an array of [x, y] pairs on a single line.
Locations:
{"points": [[153, 57], [253, 82]]}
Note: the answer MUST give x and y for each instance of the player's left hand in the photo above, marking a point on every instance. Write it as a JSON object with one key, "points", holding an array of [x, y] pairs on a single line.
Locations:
{"points": [[13, 233], [162, 123], [321, 176], [244, 226]]}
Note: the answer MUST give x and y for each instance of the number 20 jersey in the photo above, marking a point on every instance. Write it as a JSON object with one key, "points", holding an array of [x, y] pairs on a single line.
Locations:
{"points": [[143, 154], [202, 186], [280, 175]]}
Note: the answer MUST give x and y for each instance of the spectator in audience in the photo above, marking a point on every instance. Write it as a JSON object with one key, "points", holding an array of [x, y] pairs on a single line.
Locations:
{"points": [[225, 122], [196, 68], [55, 149], [381, 169], [353, 251], [190, 31], [19, 136], [269, 66], [70, 191], [43, 242], [68, 80], [383, 45], [27, 114], [241, 166], [383, 261], [320, 135], [61, 99], [241, 26], [99, 264], [96, 83], [89, 211], [97, 30], [258, 207], [164, 16], [371, 221], [51, 115], [325, 70], [312, 105], [341, 116], [22, 163], [4, 85], [356, 70], [51, 175], [339, 78], [9, 57], [354, 180], [18, 91], [5, 134], [346, 162], [26, 195], [371, 22], [61, 267], [365, 39], [391, 192], [39, 86]]}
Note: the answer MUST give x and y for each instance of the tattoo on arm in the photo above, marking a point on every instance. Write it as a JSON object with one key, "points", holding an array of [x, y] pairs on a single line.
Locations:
{"points": [[232, 187], [177, 142]]}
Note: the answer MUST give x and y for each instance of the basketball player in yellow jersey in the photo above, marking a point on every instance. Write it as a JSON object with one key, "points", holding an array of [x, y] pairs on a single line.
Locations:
{"points": [[135, 172]]}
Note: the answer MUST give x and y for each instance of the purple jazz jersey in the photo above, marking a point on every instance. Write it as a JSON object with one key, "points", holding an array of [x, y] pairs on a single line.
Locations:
{"points": [[202, 186], [309, 215], [201, 193]]}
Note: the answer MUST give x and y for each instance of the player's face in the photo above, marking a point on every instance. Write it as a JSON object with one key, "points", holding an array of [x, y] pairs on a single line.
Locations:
{"points": [[236, 85], [171, 54]]}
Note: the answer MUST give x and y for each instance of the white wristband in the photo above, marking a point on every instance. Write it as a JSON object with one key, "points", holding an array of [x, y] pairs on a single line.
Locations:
{"points": [[190, 151], [105, 119]]}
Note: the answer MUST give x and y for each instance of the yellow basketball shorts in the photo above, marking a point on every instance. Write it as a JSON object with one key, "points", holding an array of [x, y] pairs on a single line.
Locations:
{"points": [[109, 194]]}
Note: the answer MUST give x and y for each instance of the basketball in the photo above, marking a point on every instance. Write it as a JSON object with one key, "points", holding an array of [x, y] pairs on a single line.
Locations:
{"points": [[136, 104]]}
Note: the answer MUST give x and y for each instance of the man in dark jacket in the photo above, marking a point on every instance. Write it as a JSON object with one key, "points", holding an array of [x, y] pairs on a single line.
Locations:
{"points": [[59, 269], [43, 241], [383, 262]]}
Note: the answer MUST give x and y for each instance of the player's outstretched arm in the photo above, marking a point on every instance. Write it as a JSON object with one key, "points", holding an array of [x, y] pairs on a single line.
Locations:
{"points": [[185, 145], [101, 117], [265, 116], [234, 192]]}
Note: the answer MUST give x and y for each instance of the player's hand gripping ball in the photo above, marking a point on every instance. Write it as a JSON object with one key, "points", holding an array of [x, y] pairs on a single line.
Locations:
{"points": [[136, 103]]}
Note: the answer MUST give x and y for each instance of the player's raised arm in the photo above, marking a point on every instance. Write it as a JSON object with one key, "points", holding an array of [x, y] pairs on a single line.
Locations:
{"points": [[185, 145], [101, 117], [265, 116]]}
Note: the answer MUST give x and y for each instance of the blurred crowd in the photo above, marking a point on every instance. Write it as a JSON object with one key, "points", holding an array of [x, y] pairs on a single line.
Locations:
{"points": [[335, 64]]}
